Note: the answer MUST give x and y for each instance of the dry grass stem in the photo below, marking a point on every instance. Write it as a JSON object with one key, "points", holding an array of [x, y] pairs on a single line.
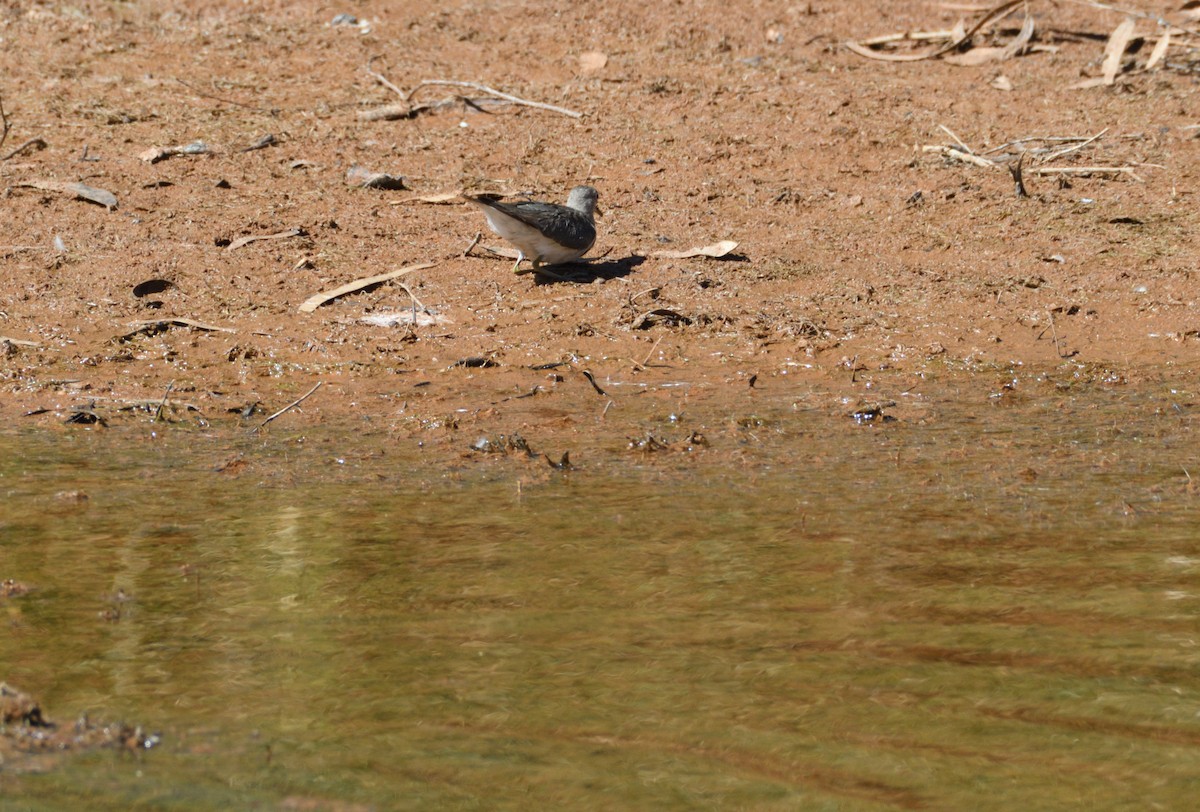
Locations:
{"points": [[492, 91], [289, 407]]}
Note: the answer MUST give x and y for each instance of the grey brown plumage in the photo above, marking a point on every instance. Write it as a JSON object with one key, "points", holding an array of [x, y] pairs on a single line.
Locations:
{"points": [[545, 233]]}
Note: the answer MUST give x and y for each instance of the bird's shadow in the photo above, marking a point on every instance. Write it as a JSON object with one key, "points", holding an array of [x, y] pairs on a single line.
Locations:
{"points": [[585, 273]]}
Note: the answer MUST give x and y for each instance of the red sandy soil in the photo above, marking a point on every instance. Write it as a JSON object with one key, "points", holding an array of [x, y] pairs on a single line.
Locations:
{"points": [[860, 254]]}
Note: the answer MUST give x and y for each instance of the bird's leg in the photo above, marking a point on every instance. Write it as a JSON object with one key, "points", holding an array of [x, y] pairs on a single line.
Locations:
{"points": [[517, 264]]}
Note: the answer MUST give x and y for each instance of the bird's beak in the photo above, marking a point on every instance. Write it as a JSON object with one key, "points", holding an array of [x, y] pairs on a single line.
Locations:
{"points": [[599, 211]]}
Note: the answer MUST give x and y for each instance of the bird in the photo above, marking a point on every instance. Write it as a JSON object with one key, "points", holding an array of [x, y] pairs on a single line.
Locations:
{"points": [[544, 233]]}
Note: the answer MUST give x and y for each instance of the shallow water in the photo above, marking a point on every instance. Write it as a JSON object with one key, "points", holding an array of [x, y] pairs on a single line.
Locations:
{"points": [[978, 606]]}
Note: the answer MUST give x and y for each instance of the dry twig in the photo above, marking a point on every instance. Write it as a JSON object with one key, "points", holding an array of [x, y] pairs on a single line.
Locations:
{"points": [[153, 326], [224, 100], [956, 139], [497, 93], [646, 360], [289, 407], [162, 404], [1074, 147], [1017, 171], [32, 142], [282, 235], [958, 154], [407, 97], [3, 122], [379, 77], [1054, 334]]}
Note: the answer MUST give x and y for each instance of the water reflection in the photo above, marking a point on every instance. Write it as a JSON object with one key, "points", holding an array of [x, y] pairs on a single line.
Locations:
{"points": [[980, 610]]}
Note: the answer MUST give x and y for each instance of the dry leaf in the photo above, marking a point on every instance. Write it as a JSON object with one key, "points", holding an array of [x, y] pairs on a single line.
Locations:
{"points": [[445, 197], [1118, 41], [977, 56], [1002, 82], [1160, 50], [1022, 39], [315, 301], [80, 190], [1097, 81], [981, 56], [592, 61], [715, 251], [102, 196]]}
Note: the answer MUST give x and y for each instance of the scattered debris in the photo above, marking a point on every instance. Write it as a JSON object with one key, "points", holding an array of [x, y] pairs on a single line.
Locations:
{"points": [[648, 444], [984, 55], [350, 21], [362, 178], [11, 589], [86, 417], [952, 40], [249, 410], [475, 362], [26, 732], [1036, 150], [156, 154], [871, 413], [409, 317], [262, 143], [657, 315], [503, 444]]}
